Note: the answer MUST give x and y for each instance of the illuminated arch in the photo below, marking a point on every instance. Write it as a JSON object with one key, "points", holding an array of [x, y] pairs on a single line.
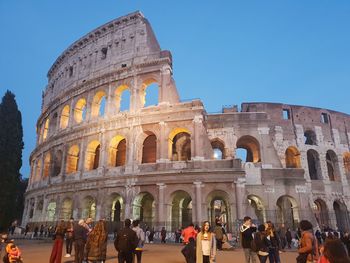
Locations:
{"points": [[143, 208], [89, 207], [218, 149], [257, 205], [97, 107], [148, 83], [38, 170], [179, 144], [47, 165], [346, 161], [149, 148], [292, 157], [64, 120], [92, 156], [72, 159], [287, 211], [80, 110], [119, 93], [46, 129], [66, 209], [252, 146], [117, 151]]}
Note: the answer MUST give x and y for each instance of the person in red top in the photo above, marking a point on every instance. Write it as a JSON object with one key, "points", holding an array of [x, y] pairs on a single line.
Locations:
{"points": [[189, 232]]}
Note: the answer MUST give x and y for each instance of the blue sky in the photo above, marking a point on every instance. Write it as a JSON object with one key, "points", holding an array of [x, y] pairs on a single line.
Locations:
{"points": [[224, 52]]}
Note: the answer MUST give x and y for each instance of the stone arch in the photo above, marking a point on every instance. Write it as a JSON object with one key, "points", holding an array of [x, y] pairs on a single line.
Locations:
{"points": [[116, 207], [47, 165], [119, 94], [149, 83], [46, 129], [287, 212], [117, 151], [98, 104], [313, 161], [149, 148], [257, 208], [57, 163], [332, 166], [64, 120], [218, 205], [341, 215], [66, 209], [38, 169], [72, 159], [252, 146], [80, 110], [292, 155], [88, 207], [310, 137], [218, 147], [180, 144], [143, 208], [320, 211], [346, 161], [92, 155], [51, 211], [181, 209]]}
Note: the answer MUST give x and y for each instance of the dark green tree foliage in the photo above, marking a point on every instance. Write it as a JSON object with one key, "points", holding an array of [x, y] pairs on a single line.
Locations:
{"points": [[11, 146]]}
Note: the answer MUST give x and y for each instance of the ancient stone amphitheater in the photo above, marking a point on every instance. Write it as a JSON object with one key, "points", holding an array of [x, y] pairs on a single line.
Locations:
{"points": [[103, 152]]}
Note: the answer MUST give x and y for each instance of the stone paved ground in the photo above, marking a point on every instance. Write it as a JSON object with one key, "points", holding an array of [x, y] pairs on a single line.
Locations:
{"points": [[39, 252]]}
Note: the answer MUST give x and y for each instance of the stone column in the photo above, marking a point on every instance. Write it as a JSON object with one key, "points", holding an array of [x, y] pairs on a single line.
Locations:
{"points": [[75, 207], [134, 96], [44, 208], [71, 120], [103, 147], [34, 210], [198, 186], [110, 100], [162, 154], [81, 163], [161, 217], [58, 210], [240, 198], [196, 140], [64, 161]]}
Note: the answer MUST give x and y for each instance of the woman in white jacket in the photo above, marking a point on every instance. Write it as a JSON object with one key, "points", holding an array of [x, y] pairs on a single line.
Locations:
{"points": [[141, 237], [206, 245]]}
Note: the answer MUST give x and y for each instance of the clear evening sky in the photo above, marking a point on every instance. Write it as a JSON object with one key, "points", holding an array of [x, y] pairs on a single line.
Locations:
{"points": [[225, 52]]}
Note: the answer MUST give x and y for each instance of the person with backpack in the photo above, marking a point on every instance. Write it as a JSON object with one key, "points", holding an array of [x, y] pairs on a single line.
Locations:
{"points": [[126, 243], [247, 230], [308, 250], [141, 239], [219, 234]]}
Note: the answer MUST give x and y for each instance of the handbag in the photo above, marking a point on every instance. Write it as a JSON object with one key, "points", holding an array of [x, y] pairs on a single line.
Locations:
{"points": [[263, 253]]}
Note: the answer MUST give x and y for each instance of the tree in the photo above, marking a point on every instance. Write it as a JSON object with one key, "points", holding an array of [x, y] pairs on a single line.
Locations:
{"points": [[11, 146]]}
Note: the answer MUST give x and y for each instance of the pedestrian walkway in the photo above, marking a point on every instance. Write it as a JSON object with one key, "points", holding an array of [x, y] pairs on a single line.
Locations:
{"points": [[35, 251]]}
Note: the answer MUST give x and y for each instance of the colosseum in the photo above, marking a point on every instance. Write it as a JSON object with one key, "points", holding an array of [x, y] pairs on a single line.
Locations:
{"points": [[104, 152]]}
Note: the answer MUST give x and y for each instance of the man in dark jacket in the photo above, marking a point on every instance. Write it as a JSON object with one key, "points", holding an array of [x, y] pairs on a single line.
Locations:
{"points": [[80, 233], [247, 230], [125, 243]]}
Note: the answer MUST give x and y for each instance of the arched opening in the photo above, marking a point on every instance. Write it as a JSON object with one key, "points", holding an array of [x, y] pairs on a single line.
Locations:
{"points": [[47, 162], [257, 209], [72, 159], [122, 98], [117, 151], [180, 145], [149, 93], [218, 149], [149, 149], [332, 166], [252, 147], [346, 160], [321, 213], [57, 163], [38, 169], [218, 208], [92, 156], [287, 212], [51, 211], [67, 209], [80, 111], [144, 208], [117, 208], [181, 210], [46, 129], [341, 215], [89, 208], [64, 117], [292, 157], [313, 161], [98, 104], [310, 137]]}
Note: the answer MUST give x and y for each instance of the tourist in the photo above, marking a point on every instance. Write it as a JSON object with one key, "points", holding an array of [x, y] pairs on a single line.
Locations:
{"points": [[189, 251], [163, 235], [334, 252], [36, 229], [13, 254], [26, 230], [80, 233], [219, 234], [151, 236], [262, 244], [346, 240], [189, 232], [69, 238], [177, 235], [125, 243], [96, 244], [88, 224], [289, 238], [205, 245], [308, 248], [274, 240], [141, 240], [56, 253], [247, 230]]}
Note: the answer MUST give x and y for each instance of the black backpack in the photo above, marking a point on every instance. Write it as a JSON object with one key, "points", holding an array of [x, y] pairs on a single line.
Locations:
{"points": [[125, 241]]}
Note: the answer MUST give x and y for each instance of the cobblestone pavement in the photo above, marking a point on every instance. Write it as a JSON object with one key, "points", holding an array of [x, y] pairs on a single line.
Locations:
{"points": [[39, 251]]}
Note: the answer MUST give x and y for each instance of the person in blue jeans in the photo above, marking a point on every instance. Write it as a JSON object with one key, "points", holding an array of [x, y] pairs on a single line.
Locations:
{"points": [[274, 243], [247, 230]]}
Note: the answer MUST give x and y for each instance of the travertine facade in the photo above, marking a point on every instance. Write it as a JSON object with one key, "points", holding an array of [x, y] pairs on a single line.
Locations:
{"points": [[172, 163]]}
